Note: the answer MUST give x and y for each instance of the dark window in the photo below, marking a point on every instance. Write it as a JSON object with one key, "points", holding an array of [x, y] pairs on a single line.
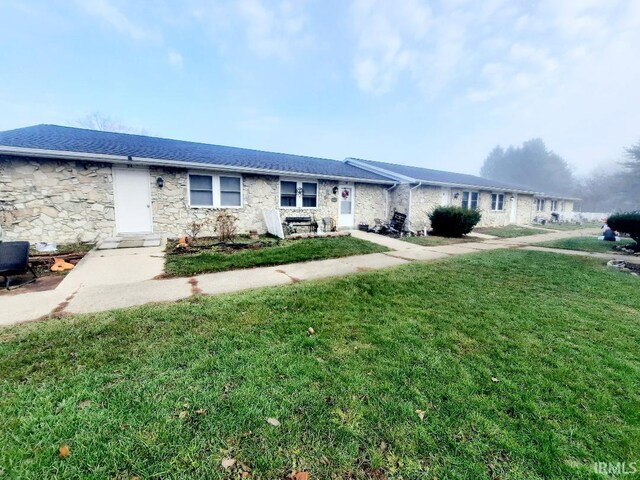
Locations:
{"points": [[201, 190], [309, 195], [288, 194], [230, 194], [497, 201], [470, 200]]}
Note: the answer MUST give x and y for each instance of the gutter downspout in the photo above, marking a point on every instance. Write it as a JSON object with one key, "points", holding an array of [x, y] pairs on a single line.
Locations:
{"points": [[410, 195], [386, 200]]}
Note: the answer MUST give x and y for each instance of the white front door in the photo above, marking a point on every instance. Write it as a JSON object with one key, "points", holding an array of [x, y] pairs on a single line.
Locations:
{"points": [[346, 216], [445, 196], [514, 209], [132, 198]]}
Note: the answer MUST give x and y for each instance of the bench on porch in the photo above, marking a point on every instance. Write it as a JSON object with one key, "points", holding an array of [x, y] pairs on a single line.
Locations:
{"points": [[292, 224]]}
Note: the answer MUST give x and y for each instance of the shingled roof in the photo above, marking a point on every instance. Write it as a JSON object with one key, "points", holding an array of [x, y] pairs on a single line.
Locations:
{"points": [[408, 174], [54, 141]]}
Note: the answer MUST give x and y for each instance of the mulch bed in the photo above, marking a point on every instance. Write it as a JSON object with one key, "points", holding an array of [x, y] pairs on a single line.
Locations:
{"points": [[211, 243]]}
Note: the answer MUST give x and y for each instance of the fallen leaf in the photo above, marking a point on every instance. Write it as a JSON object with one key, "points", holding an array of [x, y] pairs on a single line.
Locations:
{"points": [[383, 446], [245, 475], [228, 462], [182, 414], [64, 451], [301, 476], [201, 411], [494, 380], [84, 404], [421, 414], [273, 421], [310, 331]]}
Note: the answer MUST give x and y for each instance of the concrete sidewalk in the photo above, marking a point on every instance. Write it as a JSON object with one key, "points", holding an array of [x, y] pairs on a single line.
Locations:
{"points": [[108, 279]]}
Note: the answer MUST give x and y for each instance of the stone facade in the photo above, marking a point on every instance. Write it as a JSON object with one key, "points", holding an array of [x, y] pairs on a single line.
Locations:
{"points": [[422, 200], [172, 214], [56, 201], [65, 202], [370, 203]]}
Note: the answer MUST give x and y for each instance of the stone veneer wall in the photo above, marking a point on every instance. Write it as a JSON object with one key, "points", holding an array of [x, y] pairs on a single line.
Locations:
{"points": [[370, 203], [526, 209], [172, 214], [427, 197], [423, 200], [58, 201]]}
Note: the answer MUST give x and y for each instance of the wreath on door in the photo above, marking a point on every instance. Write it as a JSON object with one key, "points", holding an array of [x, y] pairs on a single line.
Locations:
{"points": [[345, 194]]}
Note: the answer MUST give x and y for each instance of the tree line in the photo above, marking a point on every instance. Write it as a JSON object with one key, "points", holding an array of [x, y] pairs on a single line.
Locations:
{"points": [[605, 189]]}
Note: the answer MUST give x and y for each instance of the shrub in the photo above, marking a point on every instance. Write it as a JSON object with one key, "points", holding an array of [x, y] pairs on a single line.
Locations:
{"points": [[193, 228], [225, 226], [627, 222], [453, 221]]}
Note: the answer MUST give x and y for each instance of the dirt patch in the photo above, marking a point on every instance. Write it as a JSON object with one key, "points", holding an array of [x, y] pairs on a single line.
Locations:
{"points": [[195, 290], [42, 284]]}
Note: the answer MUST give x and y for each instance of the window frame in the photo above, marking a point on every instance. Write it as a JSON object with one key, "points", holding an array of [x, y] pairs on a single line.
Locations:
{"points": [[215, 189], [540, 204], [469, 199], [299, 198], [497, 195]]}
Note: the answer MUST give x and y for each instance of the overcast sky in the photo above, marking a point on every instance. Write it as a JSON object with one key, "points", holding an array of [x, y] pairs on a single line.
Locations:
{"points": [[435, 84]]}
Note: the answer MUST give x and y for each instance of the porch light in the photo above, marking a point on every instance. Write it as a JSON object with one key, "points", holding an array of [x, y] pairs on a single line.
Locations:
{"points": [[335, 190], [299, 191], [160, 182], [456, 195]]}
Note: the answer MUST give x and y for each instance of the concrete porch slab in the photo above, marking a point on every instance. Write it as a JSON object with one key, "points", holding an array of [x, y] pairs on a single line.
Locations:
{"points": [[131, 241], [112, 267]]}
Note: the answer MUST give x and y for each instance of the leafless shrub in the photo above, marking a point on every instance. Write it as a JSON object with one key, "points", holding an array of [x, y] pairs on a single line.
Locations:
{"points": [[195, 227], [225, 226]]}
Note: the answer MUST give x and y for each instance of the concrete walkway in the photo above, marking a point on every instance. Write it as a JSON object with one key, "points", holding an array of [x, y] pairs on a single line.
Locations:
{"points": [[108, 279]]}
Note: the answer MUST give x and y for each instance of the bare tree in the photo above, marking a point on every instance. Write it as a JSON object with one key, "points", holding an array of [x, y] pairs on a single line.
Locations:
{"points": [[100, 121]]}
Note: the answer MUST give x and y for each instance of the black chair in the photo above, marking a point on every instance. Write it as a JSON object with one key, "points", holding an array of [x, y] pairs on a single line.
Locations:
{"points": [[14, 260]]}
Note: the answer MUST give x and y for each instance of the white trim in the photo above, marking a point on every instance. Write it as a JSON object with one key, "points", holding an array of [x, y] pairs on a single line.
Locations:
{"points": [[299, 198], [114, 175], [352, 186], [405, 179], [504, 197], [216, 192], [513, 214], [156, 162], [471, 192], [381, 171]]}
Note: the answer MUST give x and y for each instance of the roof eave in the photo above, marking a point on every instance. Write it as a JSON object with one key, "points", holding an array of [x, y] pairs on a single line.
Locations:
{"points": [[130, 160], [406, 179]]}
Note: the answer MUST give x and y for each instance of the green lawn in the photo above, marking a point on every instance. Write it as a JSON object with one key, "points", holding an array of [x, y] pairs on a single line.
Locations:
{"points": [[570, 226], [434, 241], [587, 244], [287, 251], [524, 365], [509, 231]]}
